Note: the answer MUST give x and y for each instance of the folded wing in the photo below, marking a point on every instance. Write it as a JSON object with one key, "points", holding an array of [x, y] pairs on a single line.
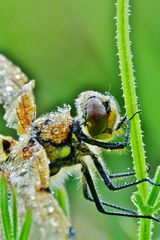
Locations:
{"points": [[16, 96], [28, 179]]}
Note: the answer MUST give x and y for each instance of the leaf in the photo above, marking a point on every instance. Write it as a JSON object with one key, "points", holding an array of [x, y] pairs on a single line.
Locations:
{"points": [[5, 208], [26, 227], [138, 202], [14, 214], [62, 198]]}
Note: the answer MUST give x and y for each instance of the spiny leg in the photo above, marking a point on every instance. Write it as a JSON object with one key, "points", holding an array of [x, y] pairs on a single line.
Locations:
{"points": [[120, 175], [122, 122], [88, 197], [124, 119], [106, 178], [126, 174], [97, 202]]}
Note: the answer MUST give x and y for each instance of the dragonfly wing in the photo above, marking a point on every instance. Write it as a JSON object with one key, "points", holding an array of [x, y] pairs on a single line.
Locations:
{"points": [[48, 219], [35, 153], [6, 143], [15, 89], [25, 108]]}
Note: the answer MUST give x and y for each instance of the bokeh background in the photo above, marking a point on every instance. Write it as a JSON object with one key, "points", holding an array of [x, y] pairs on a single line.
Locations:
{"points": [[68, 47]]}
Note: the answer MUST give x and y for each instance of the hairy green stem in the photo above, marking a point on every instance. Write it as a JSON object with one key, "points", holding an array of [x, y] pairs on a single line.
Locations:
{"points": [[154, 203], [154, 193], [145, 230], [128, 85]]}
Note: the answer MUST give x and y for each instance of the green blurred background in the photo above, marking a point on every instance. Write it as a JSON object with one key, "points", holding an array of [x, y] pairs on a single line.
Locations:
{"points": [[69, 46]]}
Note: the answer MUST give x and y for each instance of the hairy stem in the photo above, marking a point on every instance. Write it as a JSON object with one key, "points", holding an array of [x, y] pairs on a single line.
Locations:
{"points": [[128, 85]]}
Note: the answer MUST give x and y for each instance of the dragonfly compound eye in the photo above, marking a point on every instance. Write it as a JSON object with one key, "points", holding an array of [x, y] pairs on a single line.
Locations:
{"points": [[96, 116]]}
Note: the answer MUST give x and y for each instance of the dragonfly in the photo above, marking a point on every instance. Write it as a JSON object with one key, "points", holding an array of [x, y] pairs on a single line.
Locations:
{"points": [[24, 161], [55, 145]]}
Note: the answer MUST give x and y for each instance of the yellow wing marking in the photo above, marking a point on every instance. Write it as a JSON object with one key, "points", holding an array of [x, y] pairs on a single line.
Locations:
{"points": [[40, 163], [26, 108]]}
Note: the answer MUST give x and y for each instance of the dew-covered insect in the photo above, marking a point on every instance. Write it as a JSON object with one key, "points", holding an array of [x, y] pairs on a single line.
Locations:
{"points": [[52, 146], [24, 161]]}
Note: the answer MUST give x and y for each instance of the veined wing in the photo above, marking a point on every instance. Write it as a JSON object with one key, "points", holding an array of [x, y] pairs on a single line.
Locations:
{"points": [[16, 95], [48, 220]]}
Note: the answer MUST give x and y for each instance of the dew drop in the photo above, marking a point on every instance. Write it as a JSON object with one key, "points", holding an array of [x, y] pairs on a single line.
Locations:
{"points": [[9, 89], [50, 210], [56, 131]]}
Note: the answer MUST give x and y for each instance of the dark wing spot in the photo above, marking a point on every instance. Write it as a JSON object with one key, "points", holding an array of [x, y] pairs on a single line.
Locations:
{"points": [[6, 145]]}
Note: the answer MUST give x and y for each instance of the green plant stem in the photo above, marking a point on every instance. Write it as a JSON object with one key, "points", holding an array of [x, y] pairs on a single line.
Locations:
{"points": [[24, 235], [155, 190], [145, 230], [14, 214], [128, 85], [4, 208], [62, 198]]}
